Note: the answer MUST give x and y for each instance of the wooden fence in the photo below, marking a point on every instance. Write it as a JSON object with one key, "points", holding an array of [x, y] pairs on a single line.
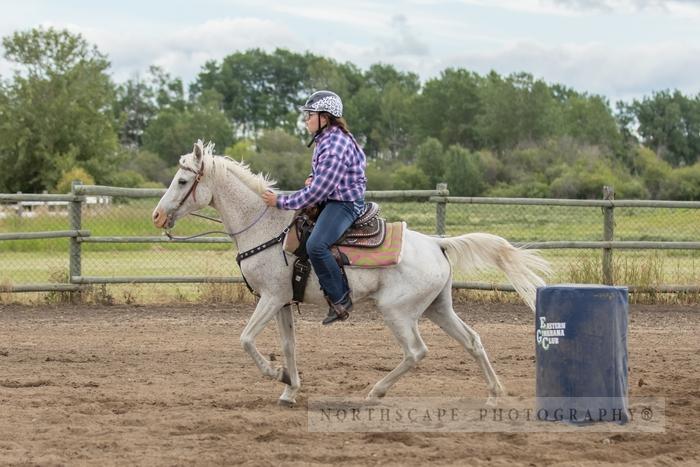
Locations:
{"points": [[440, 197]]}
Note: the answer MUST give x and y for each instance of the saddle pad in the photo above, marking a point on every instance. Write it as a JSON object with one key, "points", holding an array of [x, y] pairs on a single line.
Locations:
{"points": [[369, 235], [386, 254]]}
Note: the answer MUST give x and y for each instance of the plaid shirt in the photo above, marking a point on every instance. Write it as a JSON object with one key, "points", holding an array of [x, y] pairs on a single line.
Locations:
{"points": [[338, 172]]}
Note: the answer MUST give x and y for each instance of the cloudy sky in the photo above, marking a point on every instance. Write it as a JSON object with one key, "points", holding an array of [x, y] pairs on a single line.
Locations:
{"points": [[621, 49]]}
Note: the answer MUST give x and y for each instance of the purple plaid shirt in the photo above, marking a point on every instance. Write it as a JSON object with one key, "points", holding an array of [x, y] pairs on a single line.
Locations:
{"points": [[338, 172]]}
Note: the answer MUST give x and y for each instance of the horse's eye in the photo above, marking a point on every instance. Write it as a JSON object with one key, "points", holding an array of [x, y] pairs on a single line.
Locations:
{"points": [[182, 181]]}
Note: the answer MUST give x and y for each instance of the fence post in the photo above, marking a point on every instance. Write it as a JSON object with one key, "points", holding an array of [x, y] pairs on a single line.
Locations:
{"points": [[441, 209], [608, 235], [20, 208], [75, 214]]}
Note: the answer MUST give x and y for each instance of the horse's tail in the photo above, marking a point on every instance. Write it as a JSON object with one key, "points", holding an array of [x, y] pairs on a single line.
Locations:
{"points": [[481, 250]]}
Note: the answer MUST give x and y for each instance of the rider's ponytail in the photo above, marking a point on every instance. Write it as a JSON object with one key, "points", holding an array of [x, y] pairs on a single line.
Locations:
{"points": [[339, 122]]}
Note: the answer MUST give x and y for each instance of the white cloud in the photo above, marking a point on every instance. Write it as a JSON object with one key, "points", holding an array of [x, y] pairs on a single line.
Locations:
{"points": [[631, 6], [427, 36], [183, 51], [618, 73], [680, 8], [403, 40], [363, 15]]}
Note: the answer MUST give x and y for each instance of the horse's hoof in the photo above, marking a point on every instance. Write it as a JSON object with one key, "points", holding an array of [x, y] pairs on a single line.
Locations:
{"points": [[285, 377], [370, 401], [285, 403], [492, 401]]}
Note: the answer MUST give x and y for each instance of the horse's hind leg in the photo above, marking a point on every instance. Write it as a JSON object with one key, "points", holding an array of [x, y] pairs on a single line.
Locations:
{"points": [[405, 329], [285, 323], [441, 313]]}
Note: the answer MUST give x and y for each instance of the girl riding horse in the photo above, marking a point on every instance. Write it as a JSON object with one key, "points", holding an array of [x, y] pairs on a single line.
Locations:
{"points": [[337, 184]]}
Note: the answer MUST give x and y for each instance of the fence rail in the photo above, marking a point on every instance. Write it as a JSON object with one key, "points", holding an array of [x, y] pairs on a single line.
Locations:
{"points": [[78, 235]]}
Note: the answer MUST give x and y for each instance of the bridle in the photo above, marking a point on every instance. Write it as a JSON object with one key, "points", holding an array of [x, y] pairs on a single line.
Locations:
{"points": [[192, 191], [241, 255]]}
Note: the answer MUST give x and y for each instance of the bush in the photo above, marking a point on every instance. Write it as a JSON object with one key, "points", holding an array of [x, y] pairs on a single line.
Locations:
{"points": [[463, 172], [533, 189], [284, 157], [653, 170], [586, 179], [379, 175], [127, 179], [241, 150], [410, 177], [430, 159], [76, 173], [683, 184], [148, 164]]}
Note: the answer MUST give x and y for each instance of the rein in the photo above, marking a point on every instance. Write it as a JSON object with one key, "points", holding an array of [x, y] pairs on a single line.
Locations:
{"points": [[230, 234], [192, 191], [240, 256]]}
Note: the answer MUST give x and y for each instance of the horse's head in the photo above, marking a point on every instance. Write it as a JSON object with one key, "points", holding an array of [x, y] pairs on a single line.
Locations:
{"points": [[189, 190]]}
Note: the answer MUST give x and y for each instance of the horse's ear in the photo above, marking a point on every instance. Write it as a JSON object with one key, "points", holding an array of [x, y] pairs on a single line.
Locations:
{"points": [[198, 151]]}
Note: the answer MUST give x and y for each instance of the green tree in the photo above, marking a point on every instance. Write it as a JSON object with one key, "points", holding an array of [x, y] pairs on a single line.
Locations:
{"points": [[515, 110], [654, 171], [431, 160], [669, 123], [410, 177], [589, 119], [65, 184], [54, 113], [173, 131], [379, 174], [259, 90], [683, 184], [463, 172], [152, 167], [134, 108], [386, 100], [448, 107], [242, 150], [284, 157], [585, 179], [139, 99]]}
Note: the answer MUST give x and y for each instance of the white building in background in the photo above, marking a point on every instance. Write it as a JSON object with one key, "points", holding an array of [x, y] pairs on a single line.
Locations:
{"points": [[49, 208]]}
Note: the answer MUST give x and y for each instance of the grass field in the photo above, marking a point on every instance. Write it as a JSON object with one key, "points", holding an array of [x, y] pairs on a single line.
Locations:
{"points": [[36, 261]]}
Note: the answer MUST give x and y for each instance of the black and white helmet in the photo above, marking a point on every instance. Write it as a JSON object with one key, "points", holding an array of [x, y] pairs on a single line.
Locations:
{"points": [[324, 101]]}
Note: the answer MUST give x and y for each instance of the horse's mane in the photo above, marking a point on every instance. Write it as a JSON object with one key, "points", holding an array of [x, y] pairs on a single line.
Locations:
{"points": [[259, 183]]}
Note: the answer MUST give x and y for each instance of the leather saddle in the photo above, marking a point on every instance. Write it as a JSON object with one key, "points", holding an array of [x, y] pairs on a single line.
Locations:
{"points": [[368, 230]]}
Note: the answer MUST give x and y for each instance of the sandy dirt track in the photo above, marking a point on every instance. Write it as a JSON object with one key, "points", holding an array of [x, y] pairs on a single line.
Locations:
{"points": [[127, 385]]}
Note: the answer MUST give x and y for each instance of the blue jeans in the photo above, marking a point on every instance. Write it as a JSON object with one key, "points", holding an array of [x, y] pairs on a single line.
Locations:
{"points": [[332, 223]]}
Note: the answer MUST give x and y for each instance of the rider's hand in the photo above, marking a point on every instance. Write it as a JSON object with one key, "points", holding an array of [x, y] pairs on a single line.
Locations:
{"points": [[270, 198], [307, 182]]}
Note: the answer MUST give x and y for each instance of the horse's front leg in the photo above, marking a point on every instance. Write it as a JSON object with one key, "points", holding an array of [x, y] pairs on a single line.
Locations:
{"points": [[267, 308], [285, 322]]}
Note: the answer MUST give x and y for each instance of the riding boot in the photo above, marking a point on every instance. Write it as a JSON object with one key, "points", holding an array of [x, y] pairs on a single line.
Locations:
{"points": [[339, 311]]}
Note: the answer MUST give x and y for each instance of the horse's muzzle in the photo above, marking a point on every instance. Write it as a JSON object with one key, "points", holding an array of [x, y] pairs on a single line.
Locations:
{"points": [[160, 219]]}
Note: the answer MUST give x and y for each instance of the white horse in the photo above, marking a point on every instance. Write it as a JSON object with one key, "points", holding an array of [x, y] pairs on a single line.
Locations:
{"points": [[420, 285]]}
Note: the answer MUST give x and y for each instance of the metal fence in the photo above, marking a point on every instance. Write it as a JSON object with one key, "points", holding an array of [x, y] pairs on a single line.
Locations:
{"points": [[69, 242]]}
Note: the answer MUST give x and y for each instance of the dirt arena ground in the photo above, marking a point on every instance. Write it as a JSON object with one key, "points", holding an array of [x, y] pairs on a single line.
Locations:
{"points": [[143, 385]]}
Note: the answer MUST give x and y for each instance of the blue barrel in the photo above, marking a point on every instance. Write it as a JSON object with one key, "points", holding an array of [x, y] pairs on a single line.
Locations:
{"points": [[581, 353]]}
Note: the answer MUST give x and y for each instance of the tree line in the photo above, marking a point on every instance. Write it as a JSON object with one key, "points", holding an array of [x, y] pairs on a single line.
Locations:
{"points": [[62, 117]]}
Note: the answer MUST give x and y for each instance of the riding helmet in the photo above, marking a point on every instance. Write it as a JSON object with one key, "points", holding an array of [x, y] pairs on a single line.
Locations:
{"points": [[324, 101]]}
